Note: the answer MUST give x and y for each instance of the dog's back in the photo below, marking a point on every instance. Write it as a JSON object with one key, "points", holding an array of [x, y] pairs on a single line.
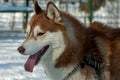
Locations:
{"points": [[111, 42]]}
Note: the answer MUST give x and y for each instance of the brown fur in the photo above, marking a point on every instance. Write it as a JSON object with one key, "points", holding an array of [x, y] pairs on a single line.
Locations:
{"points": [[73, 54], [101, 41], [112, 46]]}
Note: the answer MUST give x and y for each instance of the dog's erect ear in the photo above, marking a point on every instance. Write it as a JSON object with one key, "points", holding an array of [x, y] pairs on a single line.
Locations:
{"points": [[53, 13], [37, 8]]}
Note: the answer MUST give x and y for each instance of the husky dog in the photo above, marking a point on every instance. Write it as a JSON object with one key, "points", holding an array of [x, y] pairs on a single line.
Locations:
{"points": [[68, 50]]}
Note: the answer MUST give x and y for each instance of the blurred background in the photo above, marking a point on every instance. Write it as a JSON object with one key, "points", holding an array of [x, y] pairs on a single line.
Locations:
{"points": [[14, 15]]}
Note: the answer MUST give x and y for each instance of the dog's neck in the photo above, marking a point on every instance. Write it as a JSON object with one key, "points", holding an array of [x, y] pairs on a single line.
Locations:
{"points": [[48, 62], [59, 73]]}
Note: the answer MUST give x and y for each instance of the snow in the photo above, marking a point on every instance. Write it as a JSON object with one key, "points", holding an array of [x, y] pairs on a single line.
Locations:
{"points": [[12, 63]]}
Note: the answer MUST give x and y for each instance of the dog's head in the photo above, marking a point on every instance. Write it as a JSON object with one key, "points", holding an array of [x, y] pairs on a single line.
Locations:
{"points": [[44, 31]]}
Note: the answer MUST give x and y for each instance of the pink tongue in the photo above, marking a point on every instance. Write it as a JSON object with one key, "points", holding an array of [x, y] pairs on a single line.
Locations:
{"points": [[34, 59], [31, 62]]}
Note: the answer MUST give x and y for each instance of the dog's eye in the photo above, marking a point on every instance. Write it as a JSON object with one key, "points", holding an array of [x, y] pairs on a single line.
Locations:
{"points": [[40, 33]]}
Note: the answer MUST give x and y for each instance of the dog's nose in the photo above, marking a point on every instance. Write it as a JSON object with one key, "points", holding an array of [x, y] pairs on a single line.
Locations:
{"points": [[21, 49]]}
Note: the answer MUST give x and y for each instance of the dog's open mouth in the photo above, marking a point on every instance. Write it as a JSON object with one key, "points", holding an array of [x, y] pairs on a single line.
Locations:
{"points": [[34, 59]]}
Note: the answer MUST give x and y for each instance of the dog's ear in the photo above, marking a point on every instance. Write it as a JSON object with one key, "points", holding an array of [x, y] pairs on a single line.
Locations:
{"points": [[53, 13], [37, 8]]}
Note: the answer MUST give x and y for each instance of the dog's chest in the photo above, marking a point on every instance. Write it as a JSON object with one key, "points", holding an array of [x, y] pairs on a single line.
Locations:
{"points": [[60, 74], [77, 75], [53, 73]]}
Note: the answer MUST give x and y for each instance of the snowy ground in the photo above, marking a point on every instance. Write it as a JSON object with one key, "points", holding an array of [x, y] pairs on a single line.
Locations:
{"points": [[11, 62]]}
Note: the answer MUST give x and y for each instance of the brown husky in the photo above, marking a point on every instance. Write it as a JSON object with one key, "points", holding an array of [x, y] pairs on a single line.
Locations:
{"points": [[68, 50]]}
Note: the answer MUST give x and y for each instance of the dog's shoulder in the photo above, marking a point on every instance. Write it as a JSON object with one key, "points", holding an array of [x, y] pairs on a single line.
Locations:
{"points": [[101, 29]]}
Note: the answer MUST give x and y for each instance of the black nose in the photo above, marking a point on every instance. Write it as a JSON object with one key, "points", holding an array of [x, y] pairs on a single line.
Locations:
{"points": [[21, 49]]}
